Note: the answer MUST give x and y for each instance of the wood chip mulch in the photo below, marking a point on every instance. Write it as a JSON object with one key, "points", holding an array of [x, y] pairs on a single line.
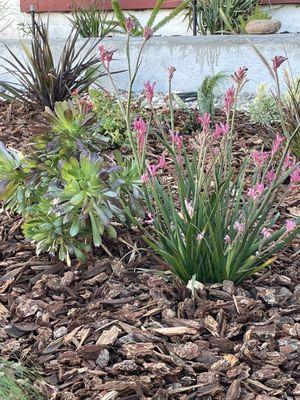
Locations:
{"points": [[115, 329]]}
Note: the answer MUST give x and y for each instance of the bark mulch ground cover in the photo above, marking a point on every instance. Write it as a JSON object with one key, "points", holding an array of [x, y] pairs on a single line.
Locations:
{"points": [[114, 328]]}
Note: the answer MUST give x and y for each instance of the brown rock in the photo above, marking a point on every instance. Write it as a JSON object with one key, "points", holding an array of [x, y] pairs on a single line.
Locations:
{"points": [[262, 27]]}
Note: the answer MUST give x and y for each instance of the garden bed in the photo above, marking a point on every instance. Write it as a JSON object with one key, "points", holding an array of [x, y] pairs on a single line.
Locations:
{"points": [[114, 328]]}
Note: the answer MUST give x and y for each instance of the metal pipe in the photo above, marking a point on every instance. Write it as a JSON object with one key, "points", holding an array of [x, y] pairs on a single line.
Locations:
{"points": [[194, 5], [32, 12]]}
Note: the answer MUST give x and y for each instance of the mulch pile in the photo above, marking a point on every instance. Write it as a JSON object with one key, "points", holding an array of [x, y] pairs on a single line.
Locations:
{"points": [[115, 329]]}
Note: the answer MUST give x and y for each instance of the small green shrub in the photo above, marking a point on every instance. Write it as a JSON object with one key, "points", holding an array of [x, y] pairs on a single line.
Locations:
{"points": [[207, 93], [110, 120], [263, 108], [220, 16], [67, 194], [91, 20]]}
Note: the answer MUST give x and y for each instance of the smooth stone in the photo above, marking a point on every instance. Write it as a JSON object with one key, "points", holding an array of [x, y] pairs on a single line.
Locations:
{"points": [[263, 27]]}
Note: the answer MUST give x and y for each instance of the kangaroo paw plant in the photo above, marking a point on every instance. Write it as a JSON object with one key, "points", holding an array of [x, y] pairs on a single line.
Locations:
{"points": [[209, 220]]}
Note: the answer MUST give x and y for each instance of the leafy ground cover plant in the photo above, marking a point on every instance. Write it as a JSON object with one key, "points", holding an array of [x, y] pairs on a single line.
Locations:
{"points": [[207, 223], [110, 120], [138, 29], [17, 382], [43, 82], [91, 20], [220, 16], [67, 194]]}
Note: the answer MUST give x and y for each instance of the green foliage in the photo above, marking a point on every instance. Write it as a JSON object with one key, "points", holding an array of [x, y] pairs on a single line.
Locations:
{"points": [[91, 20], [207, 93], [68, 196], [72, 129], [78, 205], [138, 30], [220, 16], [40, 80], [263, 108], [17, 382], [256, 14], [110, 121], [207, 223], [209, 228], [11, 175]]}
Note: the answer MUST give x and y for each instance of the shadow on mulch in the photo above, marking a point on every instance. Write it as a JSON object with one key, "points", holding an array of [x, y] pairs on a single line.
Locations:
{"points": [[114, 329]]}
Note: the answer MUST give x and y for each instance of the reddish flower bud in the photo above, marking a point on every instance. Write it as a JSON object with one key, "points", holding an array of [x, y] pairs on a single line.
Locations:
{"points": [[277, 61]]}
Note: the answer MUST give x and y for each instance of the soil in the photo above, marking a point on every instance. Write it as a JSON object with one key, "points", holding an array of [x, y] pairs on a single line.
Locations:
{"points": [[114, 328]]}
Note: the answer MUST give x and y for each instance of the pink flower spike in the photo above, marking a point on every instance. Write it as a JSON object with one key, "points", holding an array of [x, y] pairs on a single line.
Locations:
{"points": [[266, 232], [221, 130], [139, 125], [145, 178], [277, 61], [205, 121], [176, 140], [227, 239], [229, 100], [149, 90], [290, 225], [130, 24], [260, 157], [239, 227], [105, 56], [162, 161], [256, 191], [289, 161], [295, 178], [276, 144], [152, 168], [270, 176], [240, 75], [148, 33]]}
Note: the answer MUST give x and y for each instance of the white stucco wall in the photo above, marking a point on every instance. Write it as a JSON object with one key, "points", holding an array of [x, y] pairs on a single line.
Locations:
{"points": [[289, 15]]}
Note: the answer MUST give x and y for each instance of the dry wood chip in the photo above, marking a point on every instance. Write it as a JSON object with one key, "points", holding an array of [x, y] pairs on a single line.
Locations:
{"points": [[3, 309], [187, 351], [212, 326], [176, 331], [234, 391], [132, 350], [109, 336]]}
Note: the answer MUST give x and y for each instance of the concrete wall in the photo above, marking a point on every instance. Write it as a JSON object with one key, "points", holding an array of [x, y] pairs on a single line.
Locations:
{"points": [[195, 58], [289, 15]]}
